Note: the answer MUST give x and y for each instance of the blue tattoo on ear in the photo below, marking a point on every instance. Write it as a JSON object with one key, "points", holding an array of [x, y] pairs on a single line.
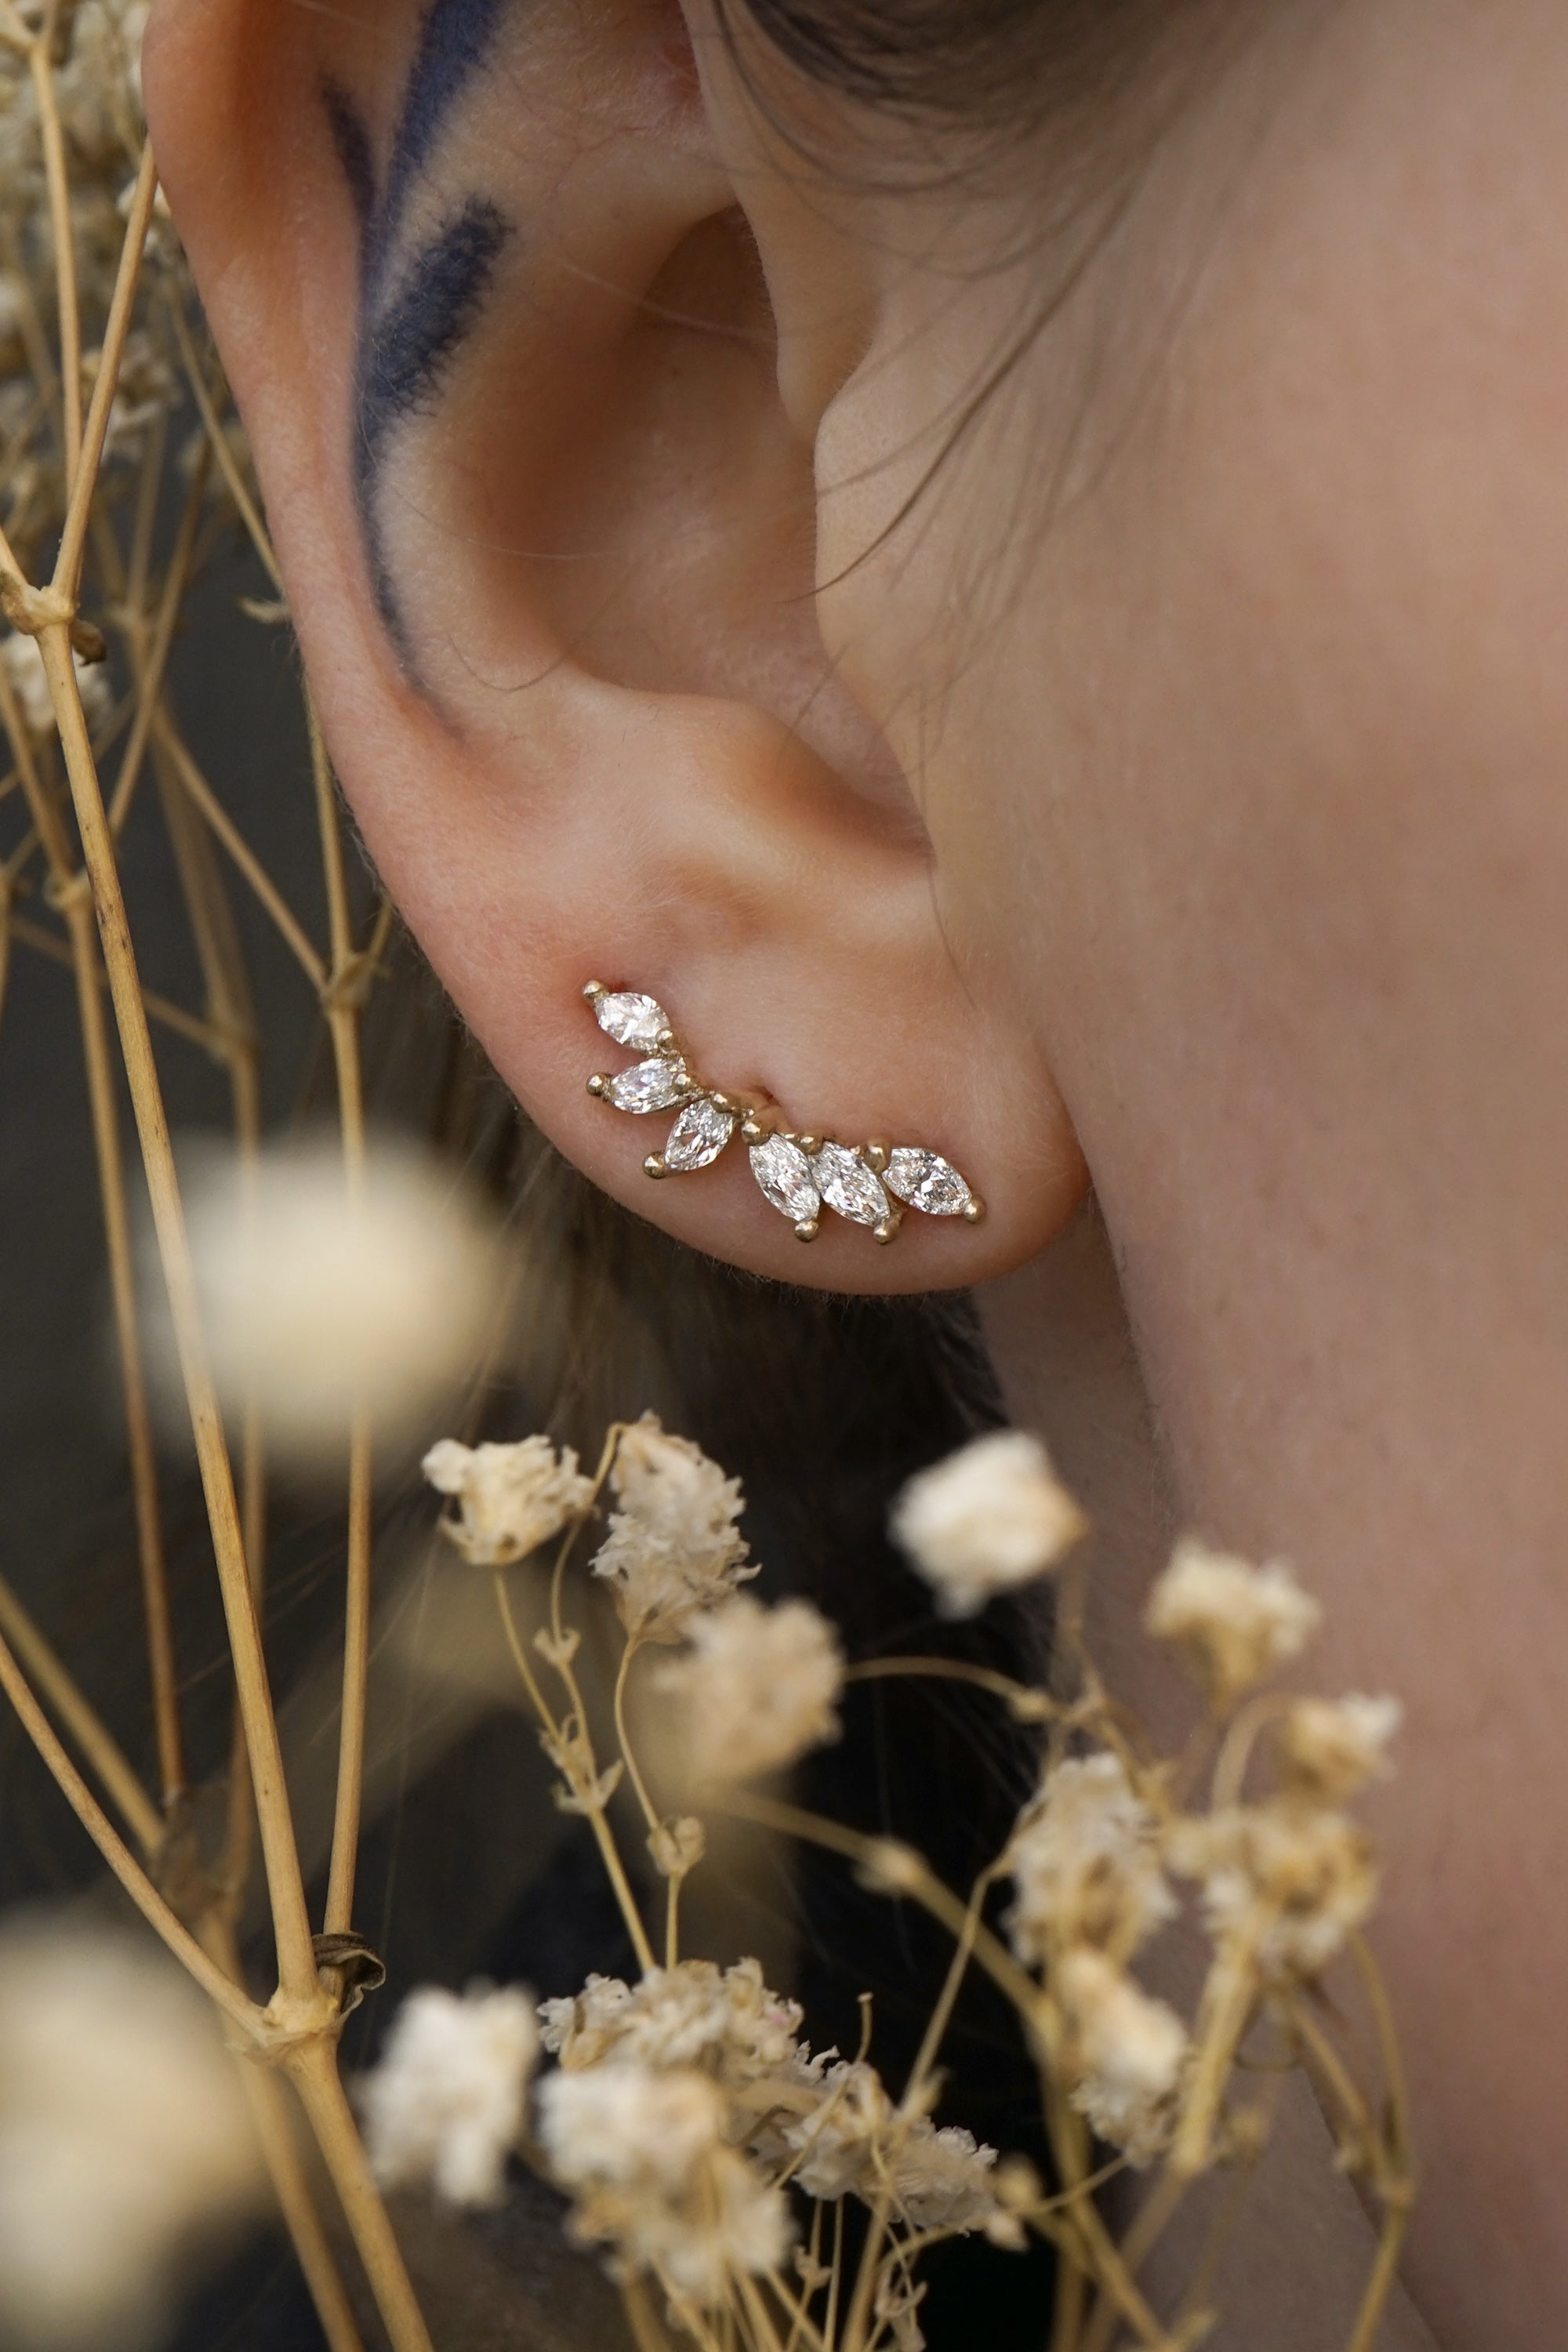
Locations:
{"points": [[414, 316]]}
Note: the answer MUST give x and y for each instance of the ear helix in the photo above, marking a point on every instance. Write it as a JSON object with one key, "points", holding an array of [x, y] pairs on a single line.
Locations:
{"points": [[798, 1173]]}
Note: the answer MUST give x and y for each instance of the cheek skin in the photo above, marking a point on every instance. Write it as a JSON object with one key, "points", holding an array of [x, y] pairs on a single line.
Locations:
{"points": [[1257, 796]]}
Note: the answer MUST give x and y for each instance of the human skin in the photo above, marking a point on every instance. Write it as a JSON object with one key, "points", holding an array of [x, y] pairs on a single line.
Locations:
{"points": [[1223, 662]]}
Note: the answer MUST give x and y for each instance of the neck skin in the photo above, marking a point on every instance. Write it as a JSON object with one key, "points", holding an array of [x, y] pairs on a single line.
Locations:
{"points": [[1061, 1340]]}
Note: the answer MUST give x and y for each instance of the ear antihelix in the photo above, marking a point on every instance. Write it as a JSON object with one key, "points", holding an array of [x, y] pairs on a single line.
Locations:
{"points": [[798, 1173]]}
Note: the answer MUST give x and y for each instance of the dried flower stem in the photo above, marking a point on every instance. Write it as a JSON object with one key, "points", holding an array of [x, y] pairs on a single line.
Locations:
{"points": [[39, 1660], [40, 67], [1028, 1704], [311, 2066], [116, 1853]]}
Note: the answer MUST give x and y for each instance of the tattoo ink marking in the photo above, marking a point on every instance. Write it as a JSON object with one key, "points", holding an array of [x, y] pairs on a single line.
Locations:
{"points": [[412, 320]]}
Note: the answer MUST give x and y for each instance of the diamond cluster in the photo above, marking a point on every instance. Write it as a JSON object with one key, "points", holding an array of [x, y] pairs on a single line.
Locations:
{"points": [[800, 1175]]}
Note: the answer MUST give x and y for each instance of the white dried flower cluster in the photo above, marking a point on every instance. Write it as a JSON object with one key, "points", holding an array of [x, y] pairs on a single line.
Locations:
{"points": [[673, 1549], [756, 1689], [1130, 2053], [446, 2105], [826, 2123], [991, 1517], [725, 2021], [125, 2143], [1330, 1748], [1085, 1860], [642, 2151], [30, 687], [510, 1498], [1282, 1881], [1232, 1622], [317, 1302]]}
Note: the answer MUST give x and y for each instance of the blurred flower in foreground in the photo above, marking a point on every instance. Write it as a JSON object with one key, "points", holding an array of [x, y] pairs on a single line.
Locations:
{"points": [[510, 1498], [993, 1516], [756, 1689], [124, 2138], [445, 2104], [313, 1303]]}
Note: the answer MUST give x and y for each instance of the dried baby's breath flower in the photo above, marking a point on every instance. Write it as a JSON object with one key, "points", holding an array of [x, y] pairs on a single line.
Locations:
{"points": [[673, 1548], [1330, 1747], [510, 1498], [30, 684], [583, 1788], [1086, 1864], [1232, 1622], [644, 2153], [315, 1302], [445, 2104], [724, 2021], [1286, 1881], [678, 1846], [757, 1688], [992, 1516], [124, 2139], [853, 2141], [1131, 2051]]}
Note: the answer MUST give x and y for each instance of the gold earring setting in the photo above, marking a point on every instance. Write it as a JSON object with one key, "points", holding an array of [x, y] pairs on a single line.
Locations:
{"points": [[799, 1173]]}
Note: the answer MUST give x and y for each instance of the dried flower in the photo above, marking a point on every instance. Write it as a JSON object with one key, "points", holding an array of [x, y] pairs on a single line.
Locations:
{"points": [[724, 2021], [1285, 1880], [30, 684], [124, 2139], [1130, 2050], [673, 1548], [315, 1302], [445, 2104], [1086, 1865], [644, 2153], [678, 1846], [510, 1498], [852, 2140], [756, 1689], [992, 1516], [583, 1788], [1330, 1747], [1234, 1622]]}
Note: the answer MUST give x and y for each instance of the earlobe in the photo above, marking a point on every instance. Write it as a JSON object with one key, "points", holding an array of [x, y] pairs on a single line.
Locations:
{"points": [[503, 344]]}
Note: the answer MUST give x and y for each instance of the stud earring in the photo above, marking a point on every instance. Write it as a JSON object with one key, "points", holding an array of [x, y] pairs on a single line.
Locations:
{"points": [[798, 1173]]}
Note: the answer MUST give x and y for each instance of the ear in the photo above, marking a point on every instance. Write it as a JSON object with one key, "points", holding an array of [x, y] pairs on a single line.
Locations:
{"points": [[498, 330]]}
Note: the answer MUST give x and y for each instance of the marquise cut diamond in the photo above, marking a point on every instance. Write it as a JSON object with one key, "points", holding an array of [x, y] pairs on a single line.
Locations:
{"points": [[657, 1085], [632, 1020], [926, 1180], [846, 1184], [699, 1135], [784, 1172]]}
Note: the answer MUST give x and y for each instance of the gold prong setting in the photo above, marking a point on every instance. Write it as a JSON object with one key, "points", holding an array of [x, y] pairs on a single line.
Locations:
{"points": [[799, 1172]]}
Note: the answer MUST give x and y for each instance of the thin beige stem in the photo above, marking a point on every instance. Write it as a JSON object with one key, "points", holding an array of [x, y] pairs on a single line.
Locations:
{"points": [[312, 2068], [239, 850], [634, 1773], [50, 1675], [157, 1612], [1028, 1705], [84, 478], [169, 1016], [152, 660], [312, 2248], [1384, 2275], [291, 1925], [604, 1836], [116, 1853], [962, 1952], [58, 185], [219, 440]]}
